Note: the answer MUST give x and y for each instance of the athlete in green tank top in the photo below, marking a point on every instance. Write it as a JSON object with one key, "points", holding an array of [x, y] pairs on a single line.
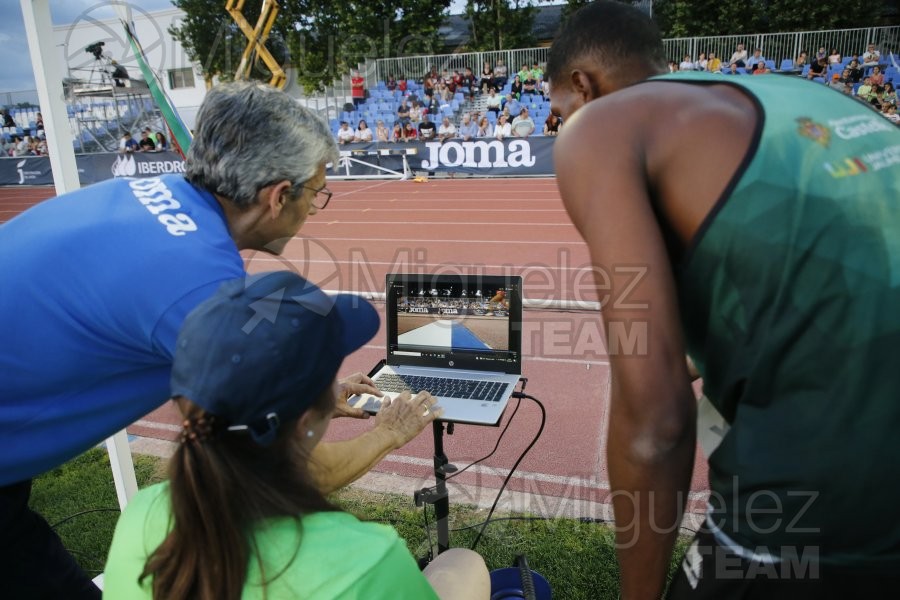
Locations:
{"points": [[764, 214]]}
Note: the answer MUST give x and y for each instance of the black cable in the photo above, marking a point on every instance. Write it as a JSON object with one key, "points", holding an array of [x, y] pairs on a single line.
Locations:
{"points": [[497, 445], [515, 465], [84, 512]]}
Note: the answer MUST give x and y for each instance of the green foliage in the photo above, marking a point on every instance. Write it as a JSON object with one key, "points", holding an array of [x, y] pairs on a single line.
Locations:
{"points": [[686, 18], [797, 15], [319, 39], [500, 24]]}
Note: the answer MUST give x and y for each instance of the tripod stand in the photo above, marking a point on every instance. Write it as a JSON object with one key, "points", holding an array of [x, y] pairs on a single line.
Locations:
{"points": [[438, 495]]}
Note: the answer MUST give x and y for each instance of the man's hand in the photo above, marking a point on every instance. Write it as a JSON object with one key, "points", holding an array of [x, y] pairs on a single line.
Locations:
{"points": [[405, 417], [349, 386]]}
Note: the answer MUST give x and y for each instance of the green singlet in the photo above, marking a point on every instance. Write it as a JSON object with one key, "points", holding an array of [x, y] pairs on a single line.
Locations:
{"points": [[790, 303]]}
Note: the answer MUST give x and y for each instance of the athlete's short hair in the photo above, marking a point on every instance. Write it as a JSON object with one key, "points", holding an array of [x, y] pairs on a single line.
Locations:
{"points": [[611, 33]]}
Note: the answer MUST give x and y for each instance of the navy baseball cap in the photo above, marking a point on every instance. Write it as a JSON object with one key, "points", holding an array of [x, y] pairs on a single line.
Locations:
{"points": [[262, 349]]}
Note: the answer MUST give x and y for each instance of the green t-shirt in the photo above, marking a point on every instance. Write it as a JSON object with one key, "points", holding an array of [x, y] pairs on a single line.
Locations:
{"points": [[339, 556], [790, 304]]}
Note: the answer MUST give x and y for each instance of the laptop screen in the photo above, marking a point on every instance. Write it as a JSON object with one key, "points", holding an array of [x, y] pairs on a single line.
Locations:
{"points": [[457, 321]]}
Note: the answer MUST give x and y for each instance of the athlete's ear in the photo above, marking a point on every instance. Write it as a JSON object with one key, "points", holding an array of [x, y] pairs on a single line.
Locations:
{"points": [[273, 197], [583, 85]]}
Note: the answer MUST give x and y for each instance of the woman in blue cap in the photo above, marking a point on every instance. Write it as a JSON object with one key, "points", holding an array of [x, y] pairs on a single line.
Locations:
{"points": [[241, 515]]}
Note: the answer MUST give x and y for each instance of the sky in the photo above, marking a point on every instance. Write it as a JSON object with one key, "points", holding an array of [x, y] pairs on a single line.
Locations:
{"points": [[16, 73]]}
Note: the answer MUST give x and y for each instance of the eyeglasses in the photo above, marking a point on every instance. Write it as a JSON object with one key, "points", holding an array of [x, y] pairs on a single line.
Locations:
{"points": [[322, 192]]}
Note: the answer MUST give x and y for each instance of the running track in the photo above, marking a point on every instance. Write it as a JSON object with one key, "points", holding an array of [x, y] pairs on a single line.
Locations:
{"points": [[473, 225]]}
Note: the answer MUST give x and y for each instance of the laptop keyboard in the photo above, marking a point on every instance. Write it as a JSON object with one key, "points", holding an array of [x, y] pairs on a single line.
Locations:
{"points": [[483, 391]]}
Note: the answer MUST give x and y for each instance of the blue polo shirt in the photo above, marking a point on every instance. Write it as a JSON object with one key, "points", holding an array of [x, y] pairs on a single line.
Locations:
{"points": [[94, 286]]}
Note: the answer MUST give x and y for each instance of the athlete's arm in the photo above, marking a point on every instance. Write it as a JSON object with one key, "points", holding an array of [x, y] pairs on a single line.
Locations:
{"points": [[652, 430]]}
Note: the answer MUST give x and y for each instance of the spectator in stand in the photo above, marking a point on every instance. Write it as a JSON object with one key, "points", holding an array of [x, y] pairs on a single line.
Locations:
{"points": [[739, 57], [468, 83], [484, 128], [429, 105], [453, 82], [701, 63], [537, 73], [345, 135], [397, 134], [842, 80], [545, 89], [755, 59], [511, 104], [415, 112], [866, 91], [761, 68], [468, 129], [522, 125], [357, 87], [500, 75], [821, 53], [403, 112], [516, 88], [673, 66], [529, 85], [494, 102], [817, 68], [686, 63], [890, 94], [161, 143], [428, 83], [39, 123], [146, 144], [447, 130], [381, 132], [714, 63], [503, 129], [5, 145], [889, 112], [552, 124], [524, 72], [427, 130], [363, 133], [877, 76], [401, 84], [409, 132], [128, 144], [8, 121], [834, 57], [856, 71], [442, 94], [801, 61], [733, 69], [487, 78], [871, 56], [391, 83]]}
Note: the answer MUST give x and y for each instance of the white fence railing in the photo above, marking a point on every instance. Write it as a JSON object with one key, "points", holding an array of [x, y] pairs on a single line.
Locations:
{"points": [[775, 46]]}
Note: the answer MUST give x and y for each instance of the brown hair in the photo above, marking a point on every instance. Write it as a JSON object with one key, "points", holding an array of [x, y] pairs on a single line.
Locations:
{"points": [[219, 487]]}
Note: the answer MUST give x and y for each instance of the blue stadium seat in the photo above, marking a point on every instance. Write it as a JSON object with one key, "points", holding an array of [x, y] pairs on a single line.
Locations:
{"points": [[805, 70], [786, 65], [770, 64], [819, 79]]}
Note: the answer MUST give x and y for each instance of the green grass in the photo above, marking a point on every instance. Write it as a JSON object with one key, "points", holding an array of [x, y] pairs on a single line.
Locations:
{"points": [[577, 558]]}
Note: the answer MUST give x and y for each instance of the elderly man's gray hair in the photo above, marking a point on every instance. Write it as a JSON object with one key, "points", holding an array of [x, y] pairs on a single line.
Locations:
{"points": [[250, 135]]}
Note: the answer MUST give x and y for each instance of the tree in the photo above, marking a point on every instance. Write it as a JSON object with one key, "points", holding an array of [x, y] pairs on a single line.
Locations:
{"points": [[500, 24], [794, 15], [210, 37], [319, 40], [329, 38]]}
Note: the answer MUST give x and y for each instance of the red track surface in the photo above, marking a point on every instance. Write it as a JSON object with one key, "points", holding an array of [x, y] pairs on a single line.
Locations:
{"points": [[490, 226]]}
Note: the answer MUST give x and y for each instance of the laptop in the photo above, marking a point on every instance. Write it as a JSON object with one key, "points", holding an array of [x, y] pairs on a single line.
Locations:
{"points": [[456, 336]]}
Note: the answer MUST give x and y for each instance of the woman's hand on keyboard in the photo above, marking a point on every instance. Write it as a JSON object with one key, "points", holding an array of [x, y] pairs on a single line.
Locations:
{"points": [[408, 415], [350, 386]]}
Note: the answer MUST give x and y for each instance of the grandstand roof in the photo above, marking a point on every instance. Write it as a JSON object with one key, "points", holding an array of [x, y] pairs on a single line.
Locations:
{"points": [[455, 30]]}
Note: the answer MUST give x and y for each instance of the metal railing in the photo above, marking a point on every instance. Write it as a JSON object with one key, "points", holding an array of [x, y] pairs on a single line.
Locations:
{"points": [[774, 46], [779, 46]]}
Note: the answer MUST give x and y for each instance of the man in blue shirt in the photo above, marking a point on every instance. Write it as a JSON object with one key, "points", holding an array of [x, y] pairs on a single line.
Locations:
{"points": [[97, 283], [468, 130]]}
